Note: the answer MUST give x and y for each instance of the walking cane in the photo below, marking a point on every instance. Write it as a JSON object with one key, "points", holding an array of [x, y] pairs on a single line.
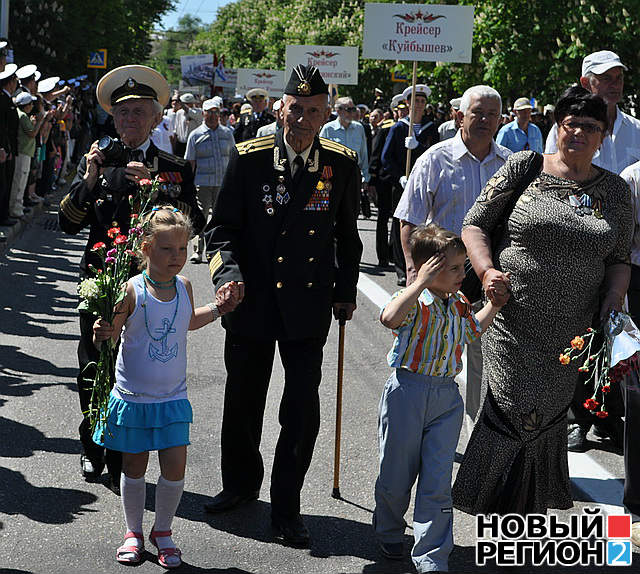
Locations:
{"points": [[342, 319]]}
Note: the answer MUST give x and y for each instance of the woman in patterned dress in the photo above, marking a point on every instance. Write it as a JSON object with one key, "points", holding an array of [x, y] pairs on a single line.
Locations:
{"points": [[565, 249]]}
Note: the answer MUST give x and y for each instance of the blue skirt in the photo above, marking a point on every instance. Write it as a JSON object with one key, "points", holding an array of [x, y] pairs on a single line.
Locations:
{"points": [[141, 427]]}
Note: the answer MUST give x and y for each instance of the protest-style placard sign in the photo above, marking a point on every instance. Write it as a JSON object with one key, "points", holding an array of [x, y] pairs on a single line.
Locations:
{"points": [[417, 32], [336, 64], [270, 80], [197, 69]]}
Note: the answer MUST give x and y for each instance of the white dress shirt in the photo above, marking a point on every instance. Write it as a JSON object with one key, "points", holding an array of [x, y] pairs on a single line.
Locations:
{"points": [[631, 175], [445, 182], [618, 150]]}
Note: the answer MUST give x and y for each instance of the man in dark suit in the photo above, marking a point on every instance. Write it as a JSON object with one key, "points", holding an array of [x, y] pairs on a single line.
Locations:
{"points": [[394, 156], [8, 138], [249, 124], [99, 199], [284, 252]]}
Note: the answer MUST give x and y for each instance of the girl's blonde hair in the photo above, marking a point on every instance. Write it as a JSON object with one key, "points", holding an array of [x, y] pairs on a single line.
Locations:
{"points": [[160, 218]]}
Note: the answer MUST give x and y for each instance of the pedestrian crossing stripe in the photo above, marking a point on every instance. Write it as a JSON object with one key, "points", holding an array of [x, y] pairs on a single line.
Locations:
{"points": [[215, 263], [71, 212]]}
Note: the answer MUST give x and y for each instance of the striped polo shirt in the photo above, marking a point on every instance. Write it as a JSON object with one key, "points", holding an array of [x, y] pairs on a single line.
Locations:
{"points": [[431, 339]]}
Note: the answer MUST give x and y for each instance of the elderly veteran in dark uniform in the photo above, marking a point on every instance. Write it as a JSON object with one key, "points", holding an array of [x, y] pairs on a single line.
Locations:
{"points": [[99, 199], [284, 248], [248, 125]]}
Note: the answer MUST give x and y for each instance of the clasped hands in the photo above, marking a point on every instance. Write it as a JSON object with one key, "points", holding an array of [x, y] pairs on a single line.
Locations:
{"points": [[229, 296], [497, 286]]}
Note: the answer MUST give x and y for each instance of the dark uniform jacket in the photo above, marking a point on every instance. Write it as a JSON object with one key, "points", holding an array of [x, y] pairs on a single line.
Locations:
{"points": [[9, 122], [297, 250], [247, 126], [376, 169], [394, 155], [107, 205]]}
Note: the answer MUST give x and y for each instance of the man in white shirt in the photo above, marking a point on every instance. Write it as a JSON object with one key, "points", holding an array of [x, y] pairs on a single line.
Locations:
{"points": [[603, 75], [444, 183], [188, 118]]}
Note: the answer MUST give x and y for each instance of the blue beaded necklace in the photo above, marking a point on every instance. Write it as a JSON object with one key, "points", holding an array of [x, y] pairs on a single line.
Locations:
{"points": [[163, 337]]}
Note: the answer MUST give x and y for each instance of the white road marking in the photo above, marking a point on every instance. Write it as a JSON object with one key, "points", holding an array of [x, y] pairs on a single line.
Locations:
{"points": [[595, 481]]}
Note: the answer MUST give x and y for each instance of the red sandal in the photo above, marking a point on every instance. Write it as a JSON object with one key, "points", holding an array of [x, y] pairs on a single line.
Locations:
{"points": [[164, 553], [129, 549]]}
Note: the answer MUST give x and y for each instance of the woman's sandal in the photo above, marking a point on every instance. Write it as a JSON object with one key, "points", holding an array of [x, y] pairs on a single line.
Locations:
{"points": [[125, 549], [164, 553]]}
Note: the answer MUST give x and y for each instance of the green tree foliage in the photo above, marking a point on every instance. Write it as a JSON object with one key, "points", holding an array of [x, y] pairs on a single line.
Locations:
{"points": [[59, 35], [170, 45], [532, 49]]}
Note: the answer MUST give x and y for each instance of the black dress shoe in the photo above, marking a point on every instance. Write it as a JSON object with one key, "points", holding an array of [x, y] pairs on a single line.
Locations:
{"points": [[577, 439], [226, 500], [291, 531], [392, 550], [91, 469]]}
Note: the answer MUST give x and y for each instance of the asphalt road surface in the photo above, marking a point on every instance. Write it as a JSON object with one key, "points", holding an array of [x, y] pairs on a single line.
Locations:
{"points": [[52, 521]]}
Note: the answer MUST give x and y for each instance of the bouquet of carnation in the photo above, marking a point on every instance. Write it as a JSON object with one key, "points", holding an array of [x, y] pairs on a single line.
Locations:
{"points": [[102, 292], [617, 357]]}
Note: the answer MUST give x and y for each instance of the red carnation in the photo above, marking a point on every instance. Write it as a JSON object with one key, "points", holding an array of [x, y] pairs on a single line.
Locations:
{"points": [[145, 181], [591, 404], [602, 414], [99, 245], [113, 232], [606, 388], [120, 239]]}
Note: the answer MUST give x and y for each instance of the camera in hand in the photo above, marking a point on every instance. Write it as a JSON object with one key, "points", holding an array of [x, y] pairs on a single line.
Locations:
{"points": [[114, 151]]}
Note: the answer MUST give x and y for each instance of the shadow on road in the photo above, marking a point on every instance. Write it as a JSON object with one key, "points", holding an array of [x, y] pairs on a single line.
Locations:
{"points": [[42, 504], [18, 440]]}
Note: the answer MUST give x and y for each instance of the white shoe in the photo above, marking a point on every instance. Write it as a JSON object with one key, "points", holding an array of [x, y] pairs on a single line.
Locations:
{"points": [[196, 258]]}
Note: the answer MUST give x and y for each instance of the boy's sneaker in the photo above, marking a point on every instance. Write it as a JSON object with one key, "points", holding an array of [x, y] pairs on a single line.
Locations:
{"points": [[392, 550]]}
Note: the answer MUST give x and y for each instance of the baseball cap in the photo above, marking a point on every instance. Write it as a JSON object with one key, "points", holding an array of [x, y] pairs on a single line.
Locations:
{"points": [[600, 62], [215, 102], [188, 98], [24, 98], [522, 104]]}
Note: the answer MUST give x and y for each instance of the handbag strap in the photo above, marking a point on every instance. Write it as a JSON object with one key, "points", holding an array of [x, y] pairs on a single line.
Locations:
{"points": [[534, 167]]}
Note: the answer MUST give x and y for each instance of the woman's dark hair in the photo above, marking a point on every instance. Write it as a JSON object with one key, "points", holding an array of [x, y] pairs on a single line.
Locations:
{"points": [[576, 101]]}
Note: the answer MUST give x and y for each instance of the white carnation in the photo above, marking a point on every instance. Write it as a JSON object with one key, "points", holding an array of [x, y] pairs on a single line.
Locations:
{"points": [[88, 289]]}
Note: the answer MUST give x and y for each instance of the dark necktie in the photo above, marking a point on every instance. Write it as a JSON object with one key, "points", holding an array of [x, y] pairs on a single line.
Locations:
{"points": [[297, 169], [137, 155]]}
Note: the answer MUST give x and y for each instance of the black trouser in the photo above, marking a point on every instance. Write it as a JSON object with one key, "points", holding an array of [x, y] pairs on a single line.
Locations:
{"points": [[632, 412], [385, 203], [5, 187], [397, 255], [180, 148], [87, 353], [249, 363]]}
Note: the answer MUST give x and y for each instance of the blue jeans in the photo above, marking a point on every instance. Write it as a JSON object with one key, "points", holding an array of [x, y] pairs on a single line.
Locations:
{"points": [[418, 429]]}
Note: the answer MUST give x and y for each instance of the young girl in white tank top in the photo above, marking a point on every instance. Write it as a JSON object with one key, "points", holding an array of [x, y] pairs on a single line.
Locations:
{"points": [[148, 407]]}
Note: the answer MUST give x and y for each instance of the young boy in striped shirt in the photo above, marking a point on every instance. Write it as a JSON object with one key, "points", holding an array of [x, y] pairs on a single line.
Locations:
{"points": [[421, 410]]}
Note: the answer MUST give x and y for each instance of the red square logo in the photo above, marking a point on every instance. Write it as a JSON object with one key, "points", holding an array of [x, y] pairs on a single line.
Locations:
{"points": [[619, 526]]}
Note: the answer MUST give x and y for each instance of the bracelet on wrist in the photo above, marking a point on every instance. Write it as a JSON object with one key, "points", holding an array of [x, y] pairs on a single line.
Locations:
{"points": [[214, 311]]}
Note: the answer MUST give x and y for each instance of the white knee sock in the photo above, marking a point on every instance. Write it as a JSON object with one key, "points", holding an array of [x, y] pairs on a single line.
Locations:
{"points": [[132, 492], [168, 494]]}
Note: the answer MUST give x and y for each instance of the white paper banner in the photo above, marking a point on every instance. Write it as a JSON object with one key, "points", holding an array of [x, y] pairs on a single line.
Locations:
{"points": [[422, 32], [336, 64], [197, 70], [270, 80]]}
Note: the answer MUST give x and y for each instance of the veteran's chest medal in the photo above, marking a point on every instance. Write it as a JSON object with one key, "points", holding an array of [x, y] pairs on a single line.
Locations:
{"points": [[282, 195], [267, 200]]}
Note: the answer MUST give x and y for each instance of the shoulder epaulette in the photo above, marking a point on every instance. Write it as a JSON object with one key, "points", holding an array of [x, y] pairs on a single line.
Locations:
{"points": [[386, 124], [256, 144], [338, 147], [173, 158]]}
